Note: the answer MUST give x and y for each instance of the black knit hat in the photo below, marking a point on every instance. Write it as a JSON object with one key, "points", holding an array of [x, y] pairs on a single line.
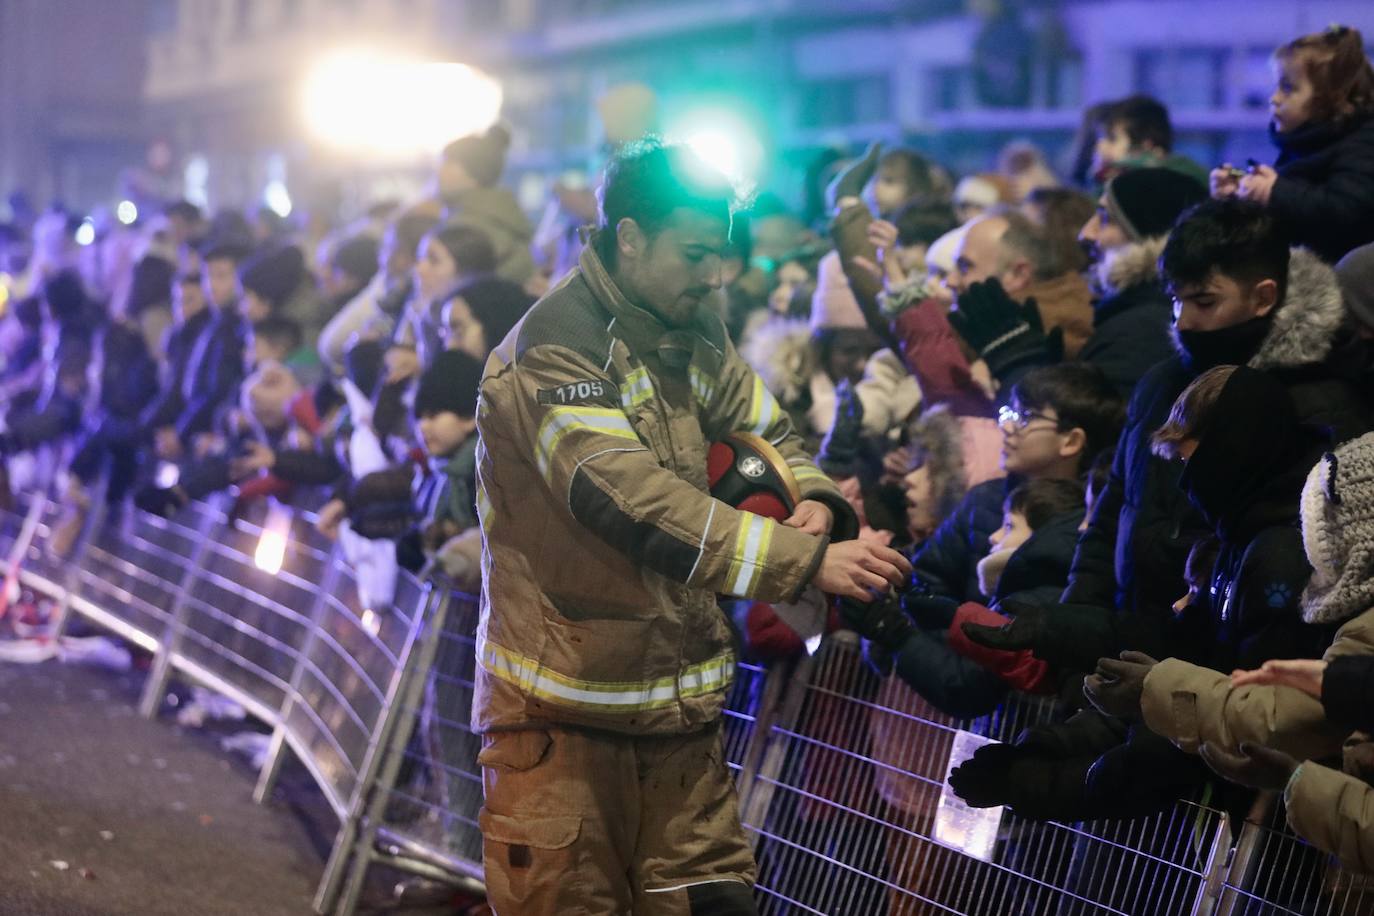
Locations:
{"points": [[496, 305], [482, 156], [273, 275], [449, 384], [1147, 202]]}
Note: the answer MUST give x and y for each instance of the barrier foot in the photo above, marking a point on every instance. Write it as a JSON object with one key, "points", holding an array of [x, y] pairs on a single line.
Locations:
{"points": [[271, 767], [156, 687]]}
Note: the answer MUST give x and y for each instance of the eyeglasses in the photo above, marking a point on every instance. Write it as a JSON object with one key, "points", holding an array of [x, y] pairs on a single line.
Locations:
{"points": [[1020, 420]]}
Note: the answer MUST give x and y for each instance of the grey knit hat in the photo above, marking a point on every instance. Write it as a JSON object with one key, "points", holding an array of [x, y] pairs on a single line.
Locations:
{"points": [[1355, 272], [1338, 533]]}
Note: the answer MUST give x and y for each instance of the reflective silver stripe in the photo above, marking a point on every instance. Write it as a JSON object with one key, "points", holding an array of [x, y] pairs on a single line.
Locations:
{"points": [[701, 548]]}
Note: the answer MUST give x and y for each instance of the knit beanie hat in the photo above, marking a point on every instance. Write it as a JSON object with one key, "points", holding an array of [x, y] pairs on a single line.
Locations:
{"points": [[1147, 202], [833, 305], [482, 156], [1355, 272], [496, 304], [273, 275], [449, 384], [1338, 533], [978, 191]]}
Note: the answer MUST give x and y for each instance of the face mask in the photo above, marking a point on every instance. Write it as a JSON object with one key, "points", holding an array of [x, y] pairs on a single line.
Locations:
{"points": [[1233, 346]]}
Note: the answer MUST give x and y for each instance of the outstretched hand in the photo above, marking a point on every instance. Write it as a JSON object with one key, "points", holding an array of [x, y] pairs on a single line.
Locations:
{"points": [[1256, 766], [1117, 685], [811, 516]]}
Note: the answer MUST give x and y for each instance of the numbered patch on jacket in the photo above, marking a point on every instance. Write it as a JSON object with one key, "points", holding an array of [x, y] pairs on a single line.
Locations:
{"points": [[582, 392]]}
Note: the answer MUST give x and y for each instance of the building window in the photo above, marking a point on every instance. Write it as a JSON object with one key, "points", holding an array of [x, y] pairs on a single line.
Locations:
{"points": [[1184, 78]]}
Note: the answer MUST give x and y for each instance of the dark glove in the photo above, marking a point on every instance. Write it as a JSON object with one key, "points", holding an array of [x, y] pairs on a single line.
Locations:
{"points": [[1256, 766], [984, 780], [880, 620], [840, 447], [1116, 686], [1070, 636], [1027, 630], [1002, 331], [380, 505], [850, 182], [931, 612]]}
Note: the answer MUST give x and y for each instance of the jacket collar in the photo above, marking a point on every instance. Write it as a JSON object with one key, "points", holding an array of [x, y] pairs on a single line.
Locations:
{"points": [[642, 331], [1306, 326], [1134, 264]]}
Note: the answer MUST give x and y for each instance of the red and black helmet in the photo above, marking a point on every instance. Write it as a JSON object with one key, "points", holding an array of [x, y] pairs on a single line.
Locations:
{"points": [[746, 472]]}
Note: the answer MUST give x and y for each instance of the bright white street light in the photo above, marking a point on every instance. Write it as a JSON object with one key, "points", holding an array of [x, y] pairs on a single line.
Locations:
{"points": [[379, 104]]}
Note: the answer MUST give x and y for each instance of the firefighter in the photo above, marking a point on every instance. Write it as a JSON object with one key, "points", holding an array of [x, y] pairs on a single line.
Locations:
{"points": [[603, 657]]}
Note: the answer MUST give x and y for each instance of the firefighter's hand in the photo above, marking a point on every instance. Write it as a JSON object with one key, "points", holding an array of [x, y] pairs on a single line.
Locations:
{"points": [[860, 570], [812, 517]]}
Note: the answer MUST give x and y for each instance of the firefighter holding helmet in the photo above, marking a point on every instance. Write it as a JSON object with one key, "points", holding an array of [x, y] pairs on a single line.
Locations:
{"points": [[603, 657]]}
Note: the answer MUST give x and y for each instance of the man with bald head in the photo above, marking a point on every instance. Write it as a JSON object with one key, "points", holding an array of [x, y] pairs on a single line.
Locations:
{"points": [[1007, 259]]}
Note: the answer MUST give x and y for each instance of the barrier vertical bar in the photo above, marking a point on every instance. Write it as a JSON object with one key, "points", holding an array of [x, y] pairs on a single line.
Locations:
{"points": [[390, 743], [151, 700], [278, 749]]}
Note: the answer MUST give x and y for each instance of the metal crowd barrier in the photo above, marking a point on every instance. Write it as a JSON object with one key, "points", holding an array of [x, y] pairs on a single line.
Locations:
{"points": [[840, 773]]}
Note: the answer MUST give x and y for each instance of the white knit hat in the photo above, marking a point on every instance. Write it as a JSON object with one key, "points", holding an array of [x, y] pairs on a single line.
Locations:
{"points": [[1338, 533]]}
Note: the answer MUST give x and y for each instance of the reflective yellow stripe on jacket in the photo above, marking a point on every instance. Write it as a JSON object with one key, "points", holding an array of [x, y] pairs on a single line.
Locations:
{"points": [[609, 696], [563, 420]]}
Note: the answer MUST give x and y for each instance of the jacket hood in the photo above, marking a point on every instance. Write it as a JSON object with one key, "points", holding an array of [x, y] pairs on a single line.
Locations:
{"points": [[1044, 560], [781, 353], [1305, 327], [1130, 265]]}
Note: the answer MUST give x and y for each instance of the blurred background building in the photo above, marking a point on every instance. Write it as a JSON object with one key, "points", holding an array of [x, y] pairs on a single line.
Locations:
{"points": [[204, 96]]}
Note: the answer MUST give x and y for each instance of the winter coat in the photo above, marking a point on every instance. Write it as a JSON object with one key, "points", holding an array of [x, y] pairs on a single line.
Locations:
{"points": [[355, 316], [1131, 317], [1189, 705], [603, 547], [496, 212], [934, 354], [177, 348], [1325, 189], [957, 684], [1133, 553], [1334, 810], [947, 563], [215, 369]]}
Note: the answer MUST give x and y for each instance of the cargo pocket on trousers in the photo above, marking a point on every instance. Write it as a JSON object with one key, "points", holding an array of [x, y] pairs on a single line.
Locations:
{"points": [[530, 860]]}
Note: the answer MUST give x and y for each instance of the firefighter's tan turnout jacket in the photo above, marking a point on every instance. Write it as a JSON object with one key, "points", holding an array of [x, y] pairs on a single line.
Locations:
{"points": [[603, 552]]}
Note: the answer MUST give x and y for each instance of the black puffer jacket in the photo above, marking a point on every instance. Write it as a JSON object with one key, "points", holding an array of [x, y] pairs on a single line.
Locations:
{"points": [[215, 368], [1131, 557], [1131, 316], [1035, 575], [947, 563], [1325, 188]]}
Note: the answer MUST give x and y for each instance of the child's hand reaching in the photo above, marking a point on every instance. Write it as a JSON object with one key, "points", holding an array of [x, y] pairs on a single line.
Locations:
{"points": [[257, 456], [330, 517]]}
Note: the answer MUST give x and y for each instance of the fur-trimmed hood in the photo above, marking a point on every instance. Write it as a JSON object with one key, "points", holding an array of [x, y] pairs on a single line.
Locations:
{"points": [[1130, 265], [1308, 321], [781, 351]]}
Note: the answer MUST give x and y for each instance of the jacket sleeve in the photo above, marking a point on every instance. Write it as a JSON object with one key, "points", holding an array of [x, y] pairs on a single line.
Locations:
{"points": [[569, 419], [849, 232], [930, 349], [307, 466], [953, 684], [220, 377], [888, 392], [1333, 811], [1018, 669], [739, 401], [1189, 704]]}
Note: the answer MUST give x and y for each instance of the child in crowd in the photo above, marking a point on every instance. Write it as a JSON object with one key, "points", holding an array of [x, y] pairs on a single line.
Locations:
{"points": [[1135, 132], [1322, 120], [1026, 560], [1059, 419]]}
